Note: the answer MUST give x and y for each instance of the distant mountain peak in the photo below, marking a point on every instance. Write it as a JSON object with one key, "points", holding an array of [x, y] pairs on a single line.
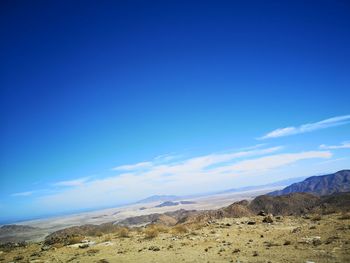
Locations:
{"points": [[159, 198]]}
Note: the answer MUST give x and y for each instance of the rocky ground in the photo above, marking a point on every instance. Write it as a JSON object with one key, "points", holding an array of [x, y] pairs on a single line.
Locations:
{"points": [[311, 238]]}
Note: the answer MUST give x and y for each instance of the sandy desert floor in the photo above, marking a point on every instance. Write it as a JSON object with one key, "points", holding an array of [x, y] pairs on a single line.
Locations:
{"points": [[288, 239]]}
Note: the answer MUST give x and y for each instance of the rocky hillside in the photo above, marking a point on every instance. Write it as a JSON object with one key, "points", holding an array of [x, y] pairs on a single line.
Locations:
{"points": [[338, 182], [292, 204], [156, 218], [13, 229]]}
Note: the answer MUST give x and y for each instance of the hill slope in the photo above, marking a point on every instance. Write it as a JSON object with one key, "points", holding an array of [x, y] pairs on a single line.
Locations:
{"points": [[338, 182]]}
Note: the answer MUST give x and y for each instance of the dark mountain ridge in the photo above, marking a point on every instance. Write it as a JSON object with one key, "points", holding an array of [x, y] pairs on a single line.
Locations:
{"points": [[338, 182]]}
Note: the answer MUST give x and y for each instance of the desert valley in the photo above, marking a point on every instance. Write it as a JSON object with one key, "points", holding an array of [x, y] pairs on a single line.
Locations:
{"points": [[305, 222]]}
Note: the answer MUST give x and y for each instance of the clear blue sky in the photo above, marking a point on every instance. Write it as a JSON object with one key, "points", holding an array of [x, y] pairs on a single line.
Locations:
{"points": [[88, 87]]}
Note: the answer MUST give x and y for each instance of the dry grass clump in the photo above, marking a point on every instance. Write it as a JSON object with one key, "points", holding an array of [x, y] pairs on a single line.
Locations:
{"points": [[196, 226], [74, 240], [344, 216], [96, 233], [151, 232], [123, 232], [58, 245], [138, 230], [107, 238], [179, 229], [92, 251], [161, 228], [316, 218]]}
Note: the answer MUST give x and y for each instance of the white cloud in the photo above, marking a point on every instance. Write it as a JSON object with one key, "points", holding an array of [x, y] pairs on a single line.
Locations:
{"points": [[130, 167], [343, 145], [28, 193], [274, 161], [309, 127], [213, 172], [76, 182], [334, 160]]}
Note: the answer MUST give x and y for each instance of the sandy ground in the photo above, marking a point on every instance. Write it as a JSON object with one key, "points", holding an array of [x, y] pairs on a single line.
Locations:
{"points": [[116, 214], [289, 239]]}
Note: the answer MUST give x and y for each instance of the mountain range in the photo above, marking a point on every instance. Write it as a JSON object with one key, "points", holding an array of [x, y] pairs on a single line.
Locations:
{"points": [[338, 182]]}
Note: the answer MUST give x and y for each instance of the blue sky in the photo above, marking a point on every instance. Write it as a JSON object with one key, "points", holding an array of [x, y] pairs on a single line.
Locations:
{"points": [[107, 102]]}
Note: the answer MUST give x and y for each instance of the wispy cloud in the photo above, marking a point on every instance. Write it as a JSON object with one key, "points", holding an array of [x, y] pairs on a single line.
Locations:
{"points": [[343, 145], [75, 182], [334, 160], [213, 171], [23, 194], [274, 161], [130, 167], [309, 127]]}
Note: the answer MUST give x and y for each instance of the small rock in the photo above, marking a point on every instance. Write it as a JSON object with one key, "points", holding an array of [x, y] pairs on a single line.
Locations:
{"points": [[236, 250], [251, 223], [18, 258], [84, 246], [268, 218], [287, 243], [296, 230], [255, 254], [331, 239], [154, 248], [262, 213], [35, 254], [45, 248], [316, 242]]}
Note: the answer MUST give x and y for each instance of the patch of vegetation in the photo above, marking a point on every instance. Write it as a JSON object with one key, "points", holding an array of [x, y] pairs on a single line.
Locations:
{"points": [[344, 216], [316, 218], [151, 232], [179, 229], [123, 232]]}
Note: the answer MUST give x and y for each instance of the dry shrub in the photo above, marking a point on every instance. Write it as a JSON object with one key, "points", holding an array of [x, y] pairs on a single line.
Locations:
{"points": [[94, 232], [92, 251], [196, 226], [58, 245], [344, 216], [316, 218], [151, 232], [123, 232], [161, 228], [138, 229], [179, 229], [74, 240], [107, 238]]}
